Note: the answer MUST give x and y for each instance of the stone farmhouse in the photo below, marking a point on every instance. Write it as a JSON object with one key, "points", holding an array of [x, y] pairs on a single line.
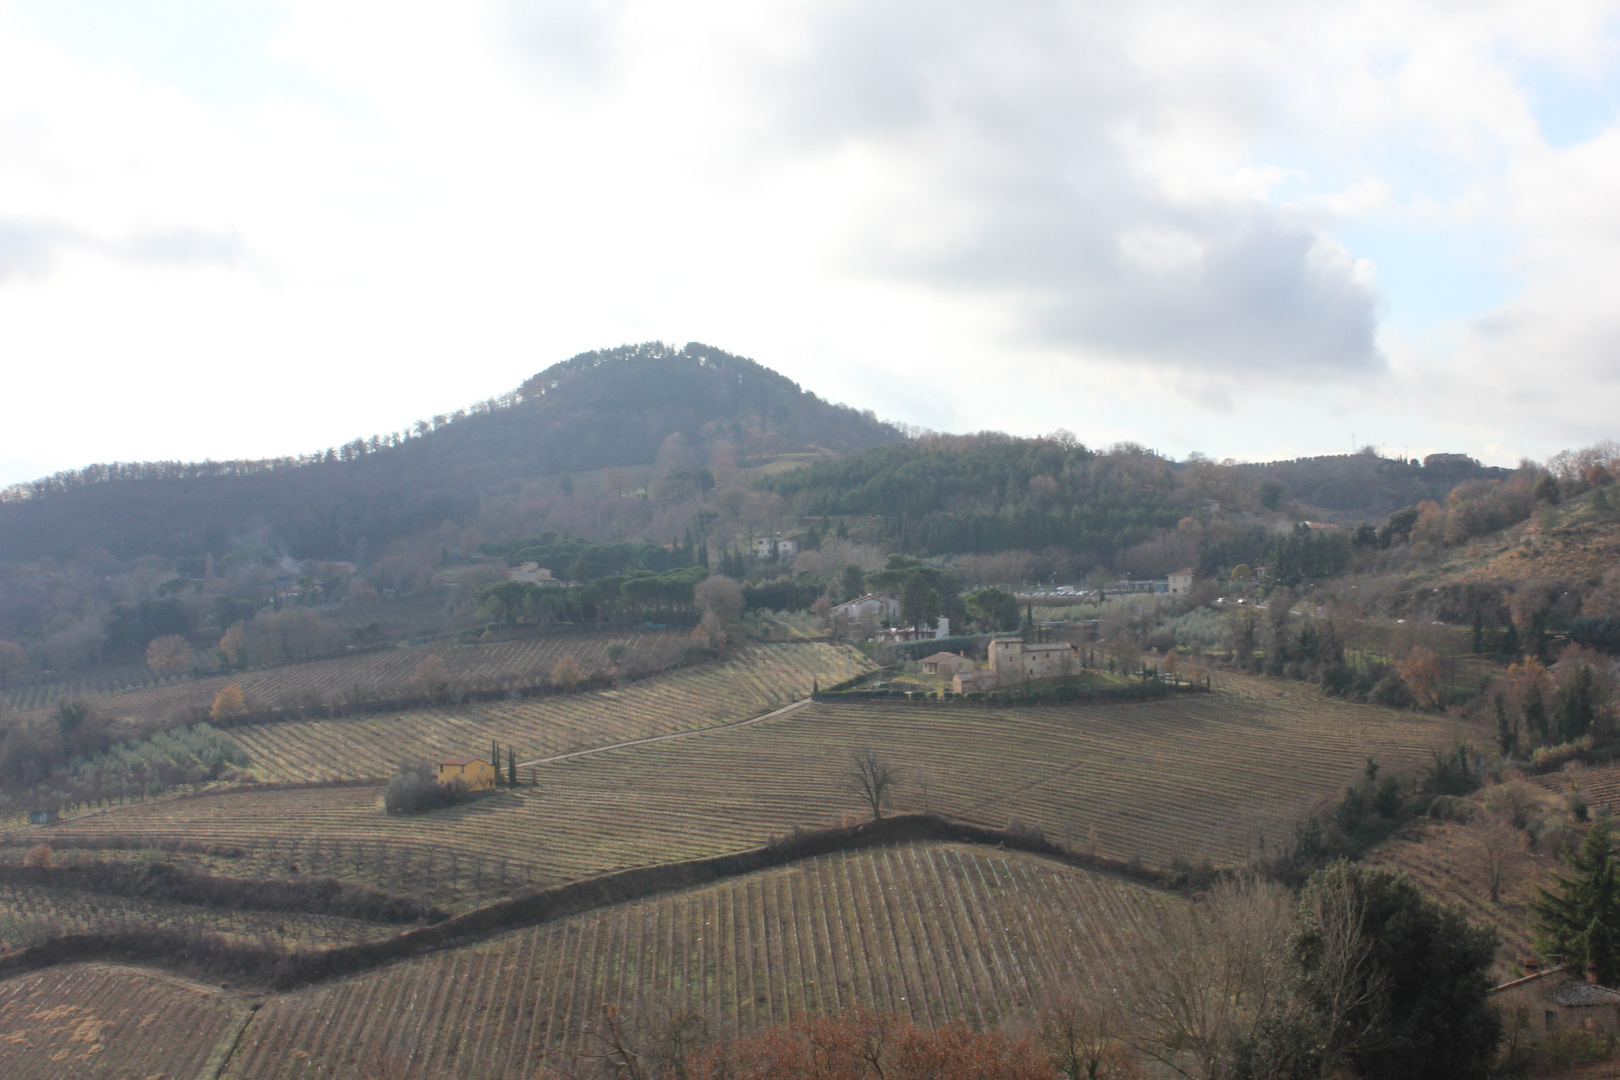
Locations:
{"points": [[1181, 582], [1558, 999], [1011, 661], [477, 774]]}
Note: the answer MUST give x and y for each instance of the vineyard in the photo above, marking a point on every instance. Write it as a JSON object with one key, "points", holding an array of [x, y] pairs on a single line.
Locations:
{"points": [[1222, 775], [933, 932], [99, 1020], [1600, 784], [383, 674], [28, 914], [754, 681]]}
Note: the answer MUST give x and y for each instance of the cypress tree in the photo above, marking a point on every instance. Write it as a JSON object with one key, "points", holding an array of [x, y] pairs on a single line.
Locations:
{"points": [[1510, 640], [511, 767], [495, 757], [1580, 916]]}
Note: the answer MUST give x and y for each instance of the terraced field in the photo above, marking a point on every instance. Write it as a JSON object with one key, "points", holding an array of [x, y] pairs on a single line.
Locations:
{"points": [[1600, 784], [385, 674], [101, 1020], [28, 914], [754, 681], [934, 932], [1220, 775]]}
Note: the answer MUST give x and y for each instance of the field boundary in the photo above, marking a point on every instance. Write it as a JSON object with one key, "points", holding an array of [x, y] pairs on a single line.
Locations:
{"points": [[286, 971]]}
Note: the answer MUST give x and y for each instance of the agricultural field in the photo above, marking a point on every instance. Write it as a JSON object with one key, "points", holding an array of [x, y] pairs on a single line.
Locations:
{"points": [[751, 682], [382, 674], [29, 914], [1222, 775], [97, 682], [934, 932], [102, 1020]]}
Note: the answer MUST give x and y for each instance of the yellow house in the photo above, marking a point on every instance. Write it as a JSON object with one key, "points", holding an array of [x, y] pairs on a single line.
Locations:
{"points": [[477, 775]]}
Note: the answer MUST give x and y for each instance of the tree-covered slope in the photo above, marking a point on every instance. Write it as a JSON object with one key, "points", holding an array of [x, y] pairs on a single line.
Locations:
{"points": [[597, 410]]}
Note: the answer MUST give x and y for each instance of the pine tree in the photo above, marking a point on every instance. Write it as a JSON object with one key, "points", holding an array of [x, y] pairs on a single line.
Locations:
{"points": [[1580, 918]]}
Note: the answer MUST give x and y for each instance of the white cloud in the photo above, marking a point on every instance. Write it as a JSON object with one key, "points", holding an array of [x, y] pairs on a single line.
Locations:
{"points": [[1141, 202]]}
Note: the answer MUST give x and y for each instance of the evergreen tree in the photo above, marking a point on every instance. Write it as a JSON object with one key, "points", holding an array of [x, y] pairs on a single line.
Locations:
{"points": [[1510, 640], [495, 757], [511, 767], [1580, 916], [1477, 642], [1576, 705], [1507, 732], [1535, 716]]}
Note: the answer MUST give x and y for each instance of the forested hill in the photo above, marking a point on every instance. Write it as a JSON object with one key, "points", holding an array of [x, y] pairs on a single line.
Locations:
{"points": [[603, 409], [952, 494], [1365, 483]]}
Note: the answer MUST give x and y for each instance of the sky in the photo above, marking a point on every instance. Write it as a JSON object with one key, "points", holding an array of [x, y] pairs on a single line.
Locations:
{"points": [[244, 228]]}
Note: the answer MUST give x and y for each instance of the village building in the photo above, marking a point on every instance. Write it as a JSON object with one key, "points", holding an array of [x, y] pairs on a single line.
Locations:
{"points": [[871, 605], [476, 774], [945, 663], [772, 547], [1181, 582], [1558, 999], [533, 573]]}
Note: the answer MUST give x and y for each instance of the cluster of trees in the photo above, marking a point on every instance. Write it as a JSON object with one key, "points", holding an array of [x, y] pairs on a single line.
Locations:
{"points": [[638, 595], [573, 559], [73, 760], [1537, 707]]}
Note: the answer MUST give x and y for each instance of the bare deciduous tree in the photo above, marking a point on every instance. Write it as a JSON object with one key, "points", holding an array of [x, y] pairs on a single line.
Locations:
{"points": [[1501, 847], [872, 778], [169, 655]]}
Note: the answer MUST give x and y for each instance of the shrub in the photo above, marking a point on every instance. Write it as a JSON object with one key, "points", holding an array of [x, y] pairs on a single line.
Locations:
{"points": [[415, 789], [38, 855]]}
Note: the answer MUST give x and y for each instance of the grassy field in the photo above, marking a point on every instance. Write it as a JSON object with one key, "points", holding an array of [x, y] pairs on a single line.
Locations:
{"points": [[753, 681], [385, 673], [1221, 775], [933, 932], [101, 1020]]}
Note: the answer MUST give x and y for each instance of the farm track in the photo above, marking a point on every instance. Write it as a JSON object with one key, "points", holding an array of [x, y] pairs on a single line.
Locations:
{"points": [[1212, 775], [102, 1020], [929, 931], [134, 693]]}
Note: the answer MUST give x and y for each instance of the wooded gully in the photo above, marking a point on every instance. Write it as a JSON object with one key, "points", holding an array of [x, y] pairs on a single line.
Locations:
{"points": [[271, 968]]}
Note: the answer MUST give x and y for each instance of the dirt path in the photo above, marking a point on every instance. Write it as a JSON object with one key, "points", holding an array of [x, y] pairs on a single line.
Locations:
{"points": [[732, 726]]}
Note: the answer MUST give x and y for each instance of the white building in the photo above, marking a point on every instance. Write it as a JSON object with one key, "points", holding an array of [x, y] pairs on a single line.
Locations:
{"points": [[531, 572], [1181, 582], [881, 608], [770, 547]]}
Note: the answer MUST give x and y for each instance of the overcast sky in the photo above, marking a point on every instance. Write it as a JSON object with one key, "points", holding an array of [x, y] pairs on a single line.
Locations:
{"points": [[251, 227]]}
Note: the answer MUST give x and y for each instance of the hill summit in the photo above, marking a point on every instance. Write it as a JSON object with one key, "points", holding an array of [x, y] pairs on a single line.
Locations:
{"points": [[597, 410]]}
